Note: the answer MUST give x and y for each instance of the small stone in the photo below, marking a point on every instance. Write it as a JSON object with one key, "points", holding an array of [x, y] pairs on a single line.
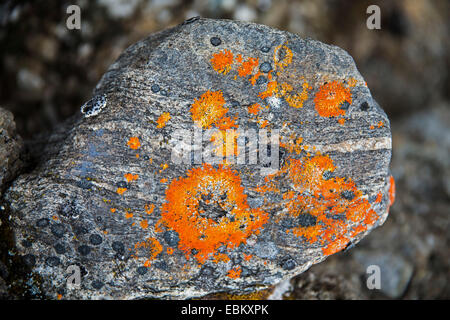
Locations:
{"points": [[95, 239], [215, 41], [265, 67]]}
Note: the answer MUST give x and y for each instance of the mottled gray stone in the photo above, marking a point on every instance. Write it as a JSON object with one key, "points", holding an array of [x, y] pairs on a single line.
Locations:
{"points": [[79, 194]]}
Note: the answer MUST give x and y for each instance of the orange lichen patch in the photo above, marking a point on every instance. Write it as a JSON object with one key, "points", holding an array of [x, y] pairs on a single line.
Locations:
{"points": [[130, 177], [149, 249], [352, 82], [335, 205], [247, 67], [137, 155], [59, 296], [235, 273], [230, 224], [128, 215], [255, 77], [254, 108], [221, 257], [263, 123], [293, 98], [170, 251], [134, 143], [149, 208], [271, 89], [341, 121], [380, 124], [55, 218], [282, 56], [379, 197], [112, 210], [330, 97], [121, 190], [144, 224], [162, 120], [372, 127], [226, 123], [391, 190], [208, 109], [247, 257], [222, 61]]}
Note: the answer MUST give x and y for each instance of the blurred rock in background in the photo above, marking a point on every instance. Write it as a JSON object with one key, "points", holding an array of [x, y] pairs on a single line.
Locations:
{"points": [[49, 71]]}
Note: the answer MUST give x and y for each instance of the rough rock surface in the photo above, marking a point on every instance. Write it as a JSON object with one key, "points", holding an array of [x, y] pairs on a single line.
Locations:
{"points": [[11, 146], [111, 200]]}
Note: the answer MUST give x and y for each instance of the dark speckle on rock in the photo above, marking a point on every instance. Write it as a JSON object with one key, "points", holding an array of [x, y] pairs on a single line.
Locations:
{"points": [[265, 49], [215, 41], [84, 250], [118, 247], [58, 230], [42, 223], [95, 239], [97, 284], [171, 237], [261, 80], [155, 88], [364, 106], [306, 220], [26, 243], [141, 270], [53, 261], [288, 263], [29, 260], [344, 105], [265, 67], [60, 248]]}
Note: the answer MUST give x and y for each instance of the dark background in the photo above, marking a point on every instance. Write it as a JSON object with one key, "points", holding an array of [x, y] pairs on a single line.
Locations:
{"points": [[48, 72]]}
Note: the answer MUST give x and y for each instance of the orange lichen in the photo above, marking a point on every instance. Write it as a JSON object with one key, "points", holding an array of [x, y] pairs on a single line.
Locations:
{"points": [[162, 120], [391, 190], [254, 108], [144, 224], [222, 61], [282, 56], [379, 197], [170, 251], [208, 109], [149, 208], [234, 273], [112, 210], [163, 180], [121, 190], [130, 177], [230, 224], [149, 248], [380, 124], [341, 121], [134, 143], [247, 67], [335, 207], [271, 89], [128, 215], [329, 98]]}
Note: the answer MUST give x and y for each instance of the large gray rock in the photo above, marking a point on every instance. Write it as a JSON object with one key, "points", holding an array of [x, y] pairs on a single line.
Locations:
{"points": [[113, 201], [11, 146]]}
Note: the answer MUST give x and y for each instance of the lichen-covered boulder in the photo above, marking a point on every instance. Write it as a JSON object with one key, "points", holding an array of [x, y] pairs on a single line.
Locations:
{"points": [[216, 156]]}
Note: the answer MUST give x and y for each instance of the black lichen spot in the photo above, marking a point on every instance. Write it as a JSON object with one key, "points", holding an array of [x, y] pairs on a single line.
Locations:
{"points": [[265, 49], [60, 248], [95, 239], [287, 223], [80, 230], [265, 67], [235, 103], [348, 195], [206, 272], [161, 265], [84, 250], [52, 261], [288, 263], [155, 88], [164, 93], [344, 105], [26, 243], [122, 184], [118, 247], [146, 157], [29, 260], [307, 220], [261, 80], [58, 230], [364, 106], [171, 238], [98, 218], [142, 270], [215, 41], [97, 284], [85, 184], [42, 223], [194, 251]]}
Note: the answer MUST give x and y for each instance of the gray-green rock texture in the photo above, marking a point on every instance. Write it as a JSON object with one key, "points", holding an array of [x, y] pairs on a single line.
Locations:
{"points": [[110, 201]]}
